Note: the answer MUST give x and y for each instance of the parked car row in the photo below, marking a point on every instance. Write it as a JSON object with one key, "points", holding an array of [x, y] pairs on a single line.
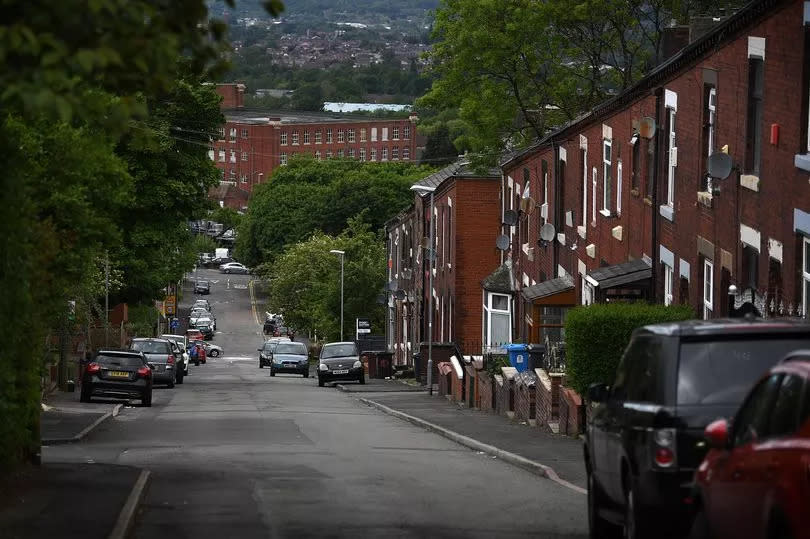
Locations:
{"points": [[201, 319], [660, 462]]}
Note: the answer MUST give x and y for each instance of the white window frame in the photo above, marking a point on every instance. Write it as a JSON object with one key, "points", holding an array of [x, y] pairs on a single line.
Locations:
{"points": [[395, 133], [395, 153], [384, 137], [283, 139], [406, 132], [669, 276], [587, 292], [233, 134], [244, 156], [221, 155], [233, 156], [306, 137], [362, 154], [283, 158], [488, 312], [805, 276], [243, 178], [351, 135], [672, 159], [329, 154], [341, 153], [341, 136], [607, 163], [593, 206], [406, 153], [221, 133], [384, 156], [295, 138], [708, 288], [373, 154], [373, 134], [618, 187], [318, 137], [318, 155], [585, 189], [363, 137], [712, 106], [351, 153], [329, 136], [244, 133]]}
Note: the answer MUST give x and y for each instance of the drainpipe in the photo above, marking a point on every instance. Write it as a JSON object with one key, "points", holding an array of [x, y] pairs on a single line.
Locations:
{"points": [[659, 92]]}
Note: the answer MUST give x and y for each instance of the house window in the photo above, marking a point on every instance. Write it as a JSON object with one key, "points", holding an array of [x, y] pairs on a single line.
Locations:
{"points": [[362, 134], [233, 134], [362, 154], [672, 157], [221, 133], [384, 134], [211, 155], [295, 138], [406, 153], [351, 153], [669, 275], [607, 187], [384, 154], [373, 134], [583, 156], [244, 133], [395, 153], [593, 196], [708, 288], [635, 171], [341, 136], [232, 175], [284, 139], [306, 137], [283, 158], [317, 137], [221, 155], [587, 292], [329, 136], [244, 156], [340, 153], [753, 128], [406, 132], [373, 154], [750, 267], [619, 187], [351, 135], [805, 276], [709, 116], [318, 155], [395, 133], [498, 319], [243, 178], [233, 156]]}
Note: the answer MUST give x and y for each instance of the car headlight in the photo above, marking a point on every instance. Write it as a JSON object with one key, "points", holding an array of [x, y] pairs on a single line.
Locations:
{"points": [[357, 364], [304, 361], [323, 367]]}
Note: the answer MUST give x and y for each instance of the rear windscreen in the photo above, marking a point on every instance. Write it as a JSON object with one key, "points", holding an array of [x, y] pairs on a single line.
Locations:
{"points": [[290, 348], [119, 361], [722, 372], [151, 347]]}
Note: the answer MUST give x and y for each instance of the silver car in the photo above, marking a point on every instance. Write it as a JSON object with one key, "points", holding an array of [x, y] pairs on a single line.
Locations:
{"points": [[160, 353]]}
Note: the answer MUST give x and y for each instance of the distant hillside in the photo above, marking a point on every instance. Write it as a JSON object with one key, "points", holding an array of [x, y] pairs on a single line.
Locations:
{"points": [[331, 9]]}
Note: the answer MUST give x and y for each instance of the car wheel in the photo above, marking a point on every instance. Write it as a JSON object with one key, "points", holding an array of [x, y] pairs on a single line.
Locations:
{"points": [[261, 365], [170, 385], [214, 353], [306, 374], [272, 371], [197, 363], [146, 400], [320, 382], [227, 271], [362, 379], [599, 527], [85, 395], [180, 375]]}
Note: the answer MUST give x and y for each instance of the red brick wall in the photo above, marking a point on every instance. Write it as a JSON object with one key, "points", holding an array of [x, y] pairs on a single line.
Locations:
{"points": [[485, 391], [525, 396], [233, 95], [570, 410], [504, 397], [543, 399]]}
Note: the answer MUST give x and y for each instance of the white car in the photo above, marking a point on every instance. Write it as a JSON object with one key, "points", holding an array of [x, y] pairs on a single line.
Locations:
{"points": [[212, 349], [182, 342], [233, 267]]}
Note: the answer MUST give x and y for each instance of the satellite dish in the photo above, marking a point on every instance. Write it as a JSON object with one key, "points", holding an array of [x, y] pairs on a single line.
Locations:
{"points": [[647, 127], [393, 286], [502, 242], [547, 232], [719, 165], [399, 294], [510, 217]]}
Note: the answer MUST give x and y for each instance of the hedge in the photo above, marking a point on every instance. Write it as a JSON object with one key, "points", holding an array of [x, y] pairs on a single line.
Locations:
{"points": [[596, 336]]}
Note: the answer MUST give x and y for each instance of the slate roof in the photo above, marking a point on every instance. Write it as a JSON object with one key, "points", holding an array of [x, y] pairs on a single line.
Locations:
{"points": [[501, 280], [459, 169], [548, 288], [618, 274]]}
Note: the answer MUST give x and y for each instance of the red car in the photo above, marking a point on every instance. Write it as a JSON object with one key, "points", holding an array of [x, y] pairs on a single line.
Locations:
{"points": [[755, 480]]}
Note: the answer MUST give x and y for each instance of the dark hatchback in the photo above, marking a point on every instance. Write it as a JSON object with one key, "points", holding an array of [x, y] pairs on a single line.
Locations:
{"points": [[645, 438], [289, 357], [202, 287], [340, 361], [118, 373]]}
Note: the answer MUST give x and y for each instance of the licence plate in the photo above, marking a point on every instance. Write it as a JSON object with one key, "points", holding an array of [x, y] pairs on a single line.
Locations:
{"points": [[118, 374], [342, 371]]}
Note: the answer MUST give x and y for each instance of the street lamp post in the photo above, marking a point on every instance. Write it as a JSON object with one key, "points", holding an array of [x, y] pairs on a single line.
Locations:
{"points": [[423, 190], [341, 253]]}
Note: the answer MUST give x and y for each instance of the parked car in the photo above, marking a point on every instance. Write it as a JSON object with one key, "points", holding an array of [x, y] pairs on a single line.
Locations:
{"points": [[233, 267], [645, 439], [202, 304], [205, 324], [198, 312], [266, 352], [289, 357], [755, 480], [118, 373], [212, 349], [284, 331], [202, 287], [340, 361], [218, 261], [182, 346], [159, 353], [194, 334]]}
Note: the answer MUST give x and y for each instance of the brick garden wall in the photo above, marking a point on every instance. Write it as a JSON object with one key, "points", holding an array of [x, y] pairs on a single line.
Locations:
{"points": [[485, 392], [570, 410]]}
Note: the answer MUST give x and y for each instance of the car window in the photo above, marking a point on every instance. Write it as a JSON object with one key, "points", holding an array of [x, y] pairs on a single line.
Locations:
{"points": [[752, 419], [291, 348], [721, 372], [151, 347], [639, 377], [119, 361], [785, 414], [339, 350]]}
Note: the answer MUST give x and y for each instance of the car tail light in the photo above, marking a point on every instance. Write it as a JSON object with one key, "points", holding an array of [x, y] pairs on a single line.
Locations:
{"points": [[93, 368], [664, 447], [146, 372], [170, 360]]}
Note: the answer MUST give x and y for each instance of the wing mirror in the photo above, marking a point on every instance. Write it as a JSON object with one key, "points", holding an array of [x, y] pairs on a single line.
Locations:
{"points": [[151, 366], [598, 392], [716, 434]]}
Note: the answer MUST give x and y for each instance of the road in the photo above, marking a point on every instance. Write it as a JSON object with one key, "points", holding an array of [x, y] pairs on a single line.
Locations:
{"points": [[237, 454]]}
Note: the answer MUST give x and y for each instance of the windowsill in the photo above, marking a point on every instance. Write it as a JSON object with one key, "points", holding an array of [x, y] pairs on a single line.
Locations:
{"points": [[581, 231], [634, 192], [802, 161], [647, 201], [704, 198], [606, 213], [750, 181], [667, 212]]}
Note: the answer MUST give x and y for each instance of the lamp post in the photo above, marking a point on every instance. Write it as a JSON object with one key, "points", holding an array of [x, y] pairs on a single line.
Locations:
{"points": [[423, 190], [341, 253]]}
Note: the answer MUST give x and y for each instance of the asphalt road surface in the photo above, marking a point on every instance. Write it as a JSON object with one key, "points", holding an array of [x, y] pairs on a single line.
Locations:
{"points": [[235, 453]]}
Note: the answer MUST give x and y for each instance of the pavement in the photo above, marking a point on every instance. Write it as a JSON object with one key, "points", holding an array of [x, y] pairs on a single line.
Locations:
{"points": [[65, 420], [375, 385], [550, 455], [235, 453]]}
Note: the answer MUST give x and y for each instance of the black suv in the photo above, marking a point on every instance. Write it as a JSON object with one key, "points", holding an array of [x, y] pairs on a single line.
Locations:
{"points": [[645, 438]]}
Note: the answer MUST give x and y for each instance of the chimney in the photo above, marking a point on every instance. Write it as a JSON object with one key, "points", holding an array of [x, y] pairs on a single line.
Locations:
{"points": [[673, 39]]}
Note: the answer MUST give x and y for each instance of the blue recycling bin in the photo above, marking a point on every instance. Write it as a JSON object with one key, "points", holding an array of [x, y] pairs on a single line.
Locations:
{"points": [[518, 356]]}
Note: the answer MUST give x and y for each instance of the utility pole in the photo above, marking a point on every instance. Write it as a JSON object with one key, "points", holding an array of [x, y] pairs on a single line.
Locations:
{"points": [[106, 299]]}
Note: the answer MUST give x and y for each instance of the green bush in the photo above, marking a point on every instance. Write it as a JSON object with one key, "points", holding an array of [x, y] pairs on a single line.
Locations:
{"points": [[597, 335], [495, 362]]}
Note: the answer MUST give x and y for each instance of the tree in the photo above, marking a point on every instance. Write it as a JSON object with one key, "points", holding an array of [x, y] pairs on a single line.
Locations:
{"points": [[228, 217], [304, 281]]}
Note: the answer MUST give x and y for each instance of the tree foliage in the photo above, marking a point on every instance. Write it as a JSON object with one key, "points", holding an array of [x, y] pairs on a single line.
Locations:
{"points": [[304, 281], [308, 196]]}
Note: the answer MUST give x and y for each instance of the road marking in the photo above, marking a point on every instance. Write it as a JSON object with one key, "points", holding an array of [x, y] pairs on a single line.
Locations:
{"points": [[253, 302]]}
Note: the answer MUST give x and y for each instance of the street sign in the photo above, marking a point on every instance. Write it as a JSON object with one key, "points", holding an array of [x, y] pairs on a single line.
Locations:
{"points": [[363, 327], [174, 323], [170, 304]]}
